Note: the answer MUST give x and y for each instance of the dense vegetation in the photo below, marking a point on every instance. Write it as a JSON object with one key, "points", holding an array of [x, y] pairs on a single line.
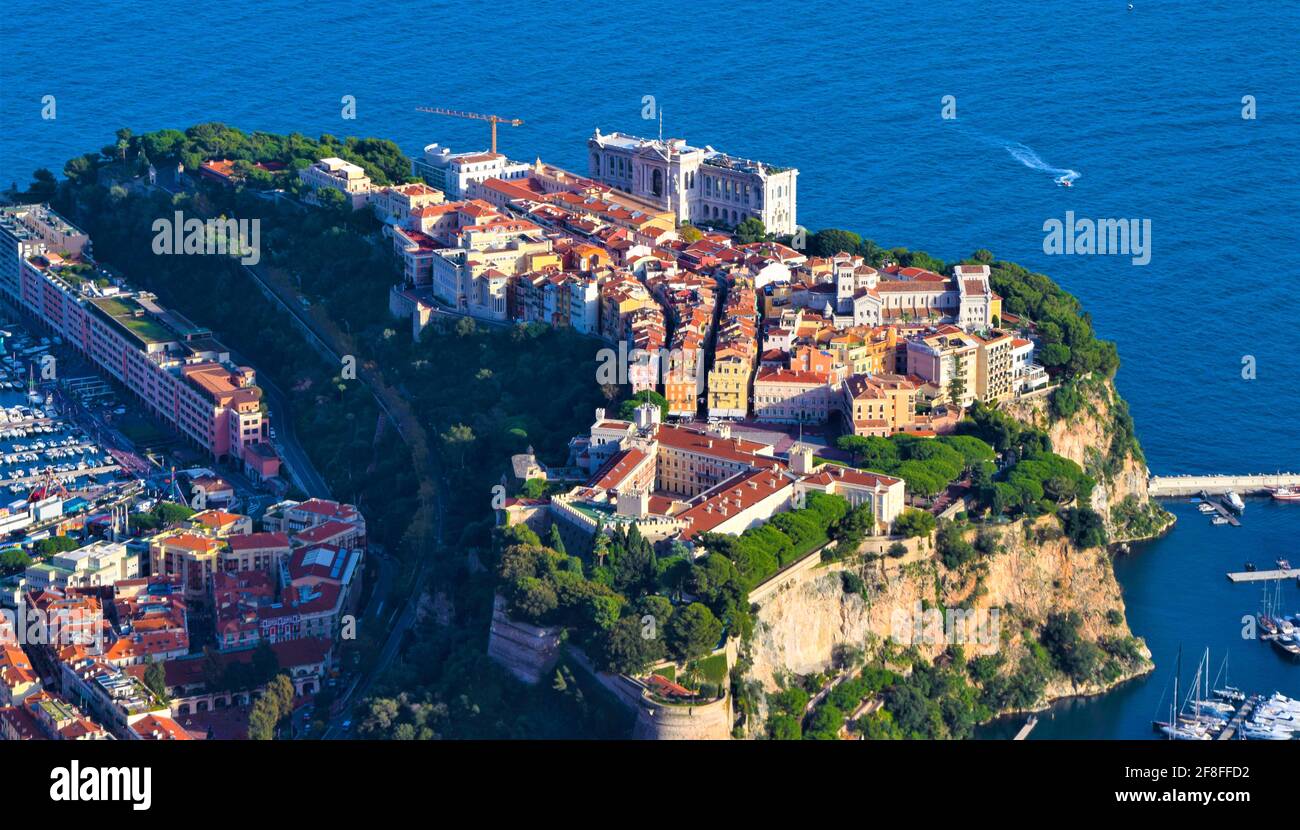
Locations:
{"points": [[928, 465], [624, 604]]}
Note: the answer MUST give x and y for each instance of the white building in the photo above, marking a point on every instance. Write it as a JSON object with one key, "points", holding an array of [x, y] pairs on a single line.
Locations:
{"points": [[453, 173], [699, 184], [344, 176], [98, 564]]}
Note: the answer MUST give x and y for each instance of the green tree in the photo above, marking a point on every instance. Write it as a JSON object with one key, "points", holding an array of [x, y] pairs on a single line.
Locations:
{"points": [[55, 544], [155, 679], [914, 523], [750, 230], [13, 560], [458, 439], [784, 727], [693, 632]]}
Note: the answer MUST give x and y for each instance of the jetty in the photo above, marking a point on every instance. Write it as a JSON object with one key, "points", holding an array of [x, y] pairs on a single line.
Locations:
{"points": [[1234, 725], [1027, 728], [1168, 486], [1260, 576], [1220, 508]]}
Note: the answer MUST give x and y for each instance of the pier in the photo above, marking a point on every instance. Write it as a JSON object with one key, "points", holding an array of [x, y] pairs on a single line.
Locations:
{"points": [[1167, 486], [1260, 576], [1222, 509], [1027, 728], [1235, 724]]}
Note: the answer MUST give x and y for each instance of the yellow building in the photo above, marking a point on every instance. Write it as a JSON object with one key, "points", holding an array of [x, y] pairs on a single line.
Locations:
{"points": [[994, 374], [878, 405], [729, 383], [862, 350]]}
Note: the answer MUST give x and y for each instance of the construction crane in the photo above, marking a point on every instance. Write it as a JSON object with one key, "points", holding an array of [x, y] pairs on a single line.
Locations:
{"points": [[491, 119]]}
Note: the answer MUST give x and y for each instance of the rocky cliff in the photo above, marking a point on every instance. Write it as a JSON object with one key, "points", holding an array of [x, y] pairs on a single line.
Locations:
{"points": [[1035, 572], [1098, 436]]}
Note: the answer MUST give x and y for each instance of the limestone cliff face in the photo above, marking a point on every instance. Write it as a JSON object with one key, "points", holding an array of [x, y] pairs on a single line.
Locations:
{"points": [[1036, 572], [1094, 437], [799, 627]]}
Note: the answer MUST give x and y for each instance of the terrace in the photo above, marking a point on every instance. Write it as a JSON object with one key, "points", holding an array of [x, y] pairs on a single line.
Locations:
{"points": [[132, 318]]}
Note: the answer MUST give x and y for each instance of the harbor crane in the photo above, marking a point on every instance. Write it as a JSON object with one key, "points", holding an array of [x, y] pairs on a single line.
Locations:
{"points": [[491, 119]]}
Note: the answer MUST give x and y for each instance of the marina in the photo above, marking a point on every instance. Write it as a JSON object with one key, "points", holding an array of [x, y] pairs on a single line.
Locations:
{"points": [[42, 452], [1223, 510], [1226, 713]]}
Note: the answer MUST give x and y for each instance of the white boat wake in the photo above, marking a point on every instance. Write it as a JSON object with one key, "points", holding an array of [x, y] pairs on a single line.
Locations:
{"points": [[1061, 175]]}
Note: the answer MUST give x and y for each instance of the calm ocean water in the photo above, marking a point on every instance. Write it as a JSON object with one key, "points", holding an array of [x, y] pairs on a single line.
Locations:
{"points": [[1144, 104]]}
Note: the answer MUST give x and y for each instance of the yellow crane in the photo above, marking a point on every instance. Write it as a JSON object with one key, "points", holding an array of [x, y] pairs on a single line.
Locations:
{"points": [[491, 119]]}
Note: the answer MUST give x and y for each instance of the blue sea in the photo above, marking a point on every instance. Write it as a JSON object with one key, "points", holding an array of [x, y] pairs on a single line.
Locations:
{"points": [[1145, 104]]}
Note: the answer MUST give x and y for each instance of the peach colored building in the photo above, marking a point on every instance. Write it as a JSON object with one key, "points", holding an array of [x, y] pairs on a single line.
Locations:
{"points": [[178, 369]]}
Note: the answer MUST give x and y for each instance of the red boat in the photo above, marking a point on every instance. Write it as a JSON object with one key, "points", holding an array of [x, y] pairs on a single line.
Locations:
{"points": [[1285, 493]]}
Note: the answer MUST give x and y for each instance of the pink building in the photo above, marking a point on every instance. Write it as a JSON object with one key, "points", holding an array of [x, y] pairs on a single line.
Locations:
{"points": [[178, 369]]}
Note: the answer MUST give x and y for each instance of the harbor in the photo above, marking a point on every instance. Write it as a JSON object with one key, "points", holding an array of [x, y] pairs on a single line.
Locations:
{"points": [[49, 463], [1211, 711], [1250, 485]]}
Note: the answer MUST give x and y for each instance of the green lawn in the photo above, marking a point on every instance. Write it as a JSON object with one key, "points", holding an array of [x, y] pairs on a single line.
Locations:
{"points": [[714, 668]]}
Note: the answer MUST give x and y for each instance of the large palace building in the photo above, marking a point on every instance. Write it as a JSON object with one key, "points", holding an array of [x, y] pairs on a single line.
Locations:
{"points": [[699, 184]]}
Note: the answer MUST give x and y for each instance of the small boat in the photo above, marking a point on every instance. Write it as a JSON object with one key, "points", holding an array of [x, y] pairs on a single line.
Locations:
{"points": [[1064, 181], [1206, 508], [1284, 564], [1250, 566], [1234, 502], [1218, 520], [1231, 694], [1257, 733], [1286, 493]]}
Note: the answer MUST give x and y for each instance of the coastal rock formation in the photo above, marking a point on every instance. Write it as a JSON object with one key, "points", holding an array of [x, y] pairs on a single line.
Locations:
{"points": [[1099, 438], [800, 626]]}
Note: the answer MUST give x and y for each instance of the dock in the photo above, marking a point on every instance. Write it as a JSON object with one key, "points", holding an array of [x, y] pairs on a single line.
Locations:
{"points": [[1230, 730], [1260, 576], [1170, 486], [1027, 728], [1221, 508]]}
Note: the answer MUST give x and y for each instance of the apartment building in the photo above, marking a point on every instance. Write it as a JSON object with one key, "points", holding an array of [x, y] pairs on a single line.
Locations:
{"points": [[792, 396], [178, 370], [456, 173], [735, 355], [98, 564], [995, 374], [948, 358], [334, 173], [189, 557], [878, 405], [18, 679], [397, 205]]}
